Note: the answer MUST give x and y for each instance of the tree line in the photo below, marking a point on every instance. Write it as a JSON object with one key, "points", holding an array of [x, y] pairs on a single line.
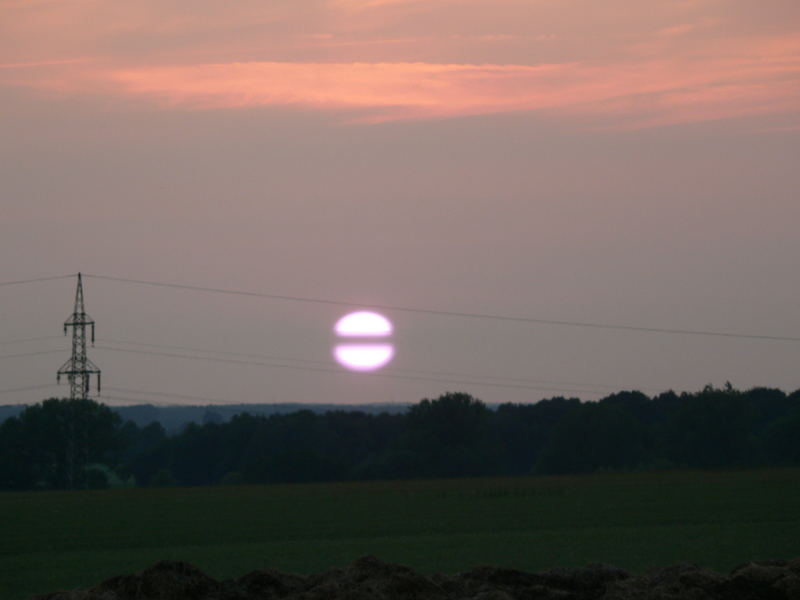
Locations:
{"points": [[78, 444]]}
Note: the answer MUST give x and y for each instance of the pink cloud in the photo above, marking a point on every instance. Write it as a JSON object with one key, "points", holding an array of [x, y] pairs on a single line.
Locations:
{"points": [[43, 63], [643, 93], [676, 30], [414, 89], [666, 65], [649, 93]]}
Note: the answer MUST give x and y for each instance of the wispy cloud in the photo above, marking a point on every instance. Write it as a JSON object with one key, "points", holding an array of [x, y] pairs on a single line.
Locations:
{"points": [[675, 66], [639, 94], [371, 4], [676, 30], [44, 63], [395, 90]]}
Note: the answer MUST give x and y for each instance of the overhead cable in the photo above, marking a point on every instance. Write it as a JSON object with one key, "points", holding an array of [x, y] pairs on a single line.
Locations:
{"points": [[339, 372], [37, 280], [33, 339], [4, 356], [450, 313], [389, 370], [30, 387], [168, 395]]}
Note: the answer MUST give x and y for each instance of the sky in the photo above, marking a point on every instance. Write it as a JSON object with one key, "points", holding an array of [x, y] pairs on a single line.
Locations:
{"points": [[574, 161]]}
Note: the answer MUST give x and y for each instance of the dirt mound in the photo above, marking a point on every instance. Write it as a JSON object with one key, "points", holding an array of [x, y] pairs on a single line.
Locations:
{"points": [[371, 579], [165, 580]]}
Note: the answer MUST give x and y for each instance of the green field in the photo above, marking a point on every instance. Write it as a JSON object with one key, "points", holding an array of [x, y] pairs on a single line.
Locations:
{"points": [[62, 540]]}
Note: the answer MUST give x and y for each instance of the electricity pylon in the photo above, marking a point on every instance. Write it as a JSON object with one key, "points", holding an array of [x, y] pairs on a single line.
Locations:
{"points": [[79, 368]]}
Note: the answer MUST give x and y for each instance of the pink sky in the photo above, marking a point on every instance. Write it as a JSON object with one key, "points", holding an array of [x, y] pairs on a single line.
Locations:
{"points": [[612, 63], [604, 161]]}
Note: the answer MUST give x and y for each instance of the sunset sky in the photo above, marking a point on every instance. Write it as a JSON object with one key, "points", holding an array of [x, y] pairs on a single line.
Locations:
{"points": [[593, 161]]}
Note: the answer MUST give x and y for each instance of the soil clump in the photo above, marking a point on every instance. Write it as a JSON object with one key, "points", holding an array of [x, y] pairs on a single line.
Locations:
{"points": [[369, 578]]}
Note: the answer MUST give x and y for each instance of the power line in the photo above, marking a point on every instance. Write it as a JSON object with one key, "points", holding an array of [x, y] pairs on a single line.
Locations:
{"points": [[219, 404], [389, 370], [30, 387], [204, 350], [170, 395], [30, 354], [106, 397], [449, 313], [33, 339], [37, 280], [398, 373], [338, 372]]}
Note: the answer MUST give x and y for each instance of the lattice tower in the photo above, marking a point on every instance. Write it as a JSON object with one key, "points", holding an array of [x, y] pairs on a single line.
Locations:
{"points": [[79, 369]]}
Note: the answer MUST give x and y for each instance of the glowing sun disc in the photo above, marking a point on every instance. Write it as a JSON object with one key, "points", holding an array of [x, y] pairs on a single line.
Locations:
{"points": [[363, 357], [363, 324]]}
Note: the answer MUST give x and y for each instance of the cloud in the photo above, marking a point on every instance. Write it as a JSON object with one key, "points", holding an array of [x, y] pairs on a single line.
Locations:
{"points": [[683, 63], [639, 93], [676, 30], [373, 4], [43, 63]]}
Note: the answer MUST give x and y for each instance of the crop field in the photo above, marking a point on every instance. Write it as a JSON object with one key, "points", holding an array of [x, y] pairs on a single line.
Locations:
{"points": [[63, 540]]}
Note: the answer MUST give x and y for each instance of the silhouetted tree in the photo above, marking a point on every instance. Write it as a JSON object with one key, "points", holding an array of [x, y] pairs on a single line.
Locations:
{"points": [[593, 436], [52, 442], [449, 436], [713, 428], [50, 445]]}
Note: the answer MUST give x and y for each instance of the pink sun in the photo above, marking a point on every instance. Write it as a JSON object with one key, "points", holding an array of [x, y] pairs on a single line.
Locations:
{"points": [[362, 352]]}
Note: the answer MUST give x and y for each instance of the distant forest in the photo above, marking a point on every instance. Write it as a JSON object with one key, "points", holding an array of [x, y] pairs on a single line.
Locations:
{"points": [[66, 444]]}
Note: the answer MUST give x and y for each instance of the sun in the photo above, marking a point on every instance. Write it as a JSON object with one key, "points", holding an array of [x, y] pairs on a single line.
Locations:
{"points": [[363, 351]]}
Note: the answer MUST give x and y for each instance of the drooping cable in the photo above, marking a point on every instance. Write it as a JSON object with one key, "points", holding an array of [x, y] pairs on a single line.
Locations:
{"points": [[451, 313]]}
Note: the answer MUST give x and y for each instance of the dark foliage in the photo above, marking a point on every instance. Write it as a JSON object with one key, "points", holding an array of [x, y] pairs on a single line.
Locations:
{"points": [[53, 444], [50, 445]]}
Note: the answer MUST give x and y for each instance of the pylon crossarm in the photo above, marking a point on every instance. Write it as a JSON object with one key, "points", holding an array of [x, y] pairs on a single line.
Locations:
{"points": [[66, 367], [79, 320]]}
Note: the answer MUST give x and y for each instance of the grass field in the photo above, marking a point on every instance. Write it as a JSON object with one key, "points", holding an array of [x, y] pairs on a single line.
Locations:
{"points": [[62, 540]]}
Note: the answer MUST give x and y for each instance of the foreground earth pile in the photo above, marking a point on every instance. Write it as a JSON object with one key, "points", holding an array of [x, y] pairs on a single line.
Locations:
{"points": [[370, 579]]}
